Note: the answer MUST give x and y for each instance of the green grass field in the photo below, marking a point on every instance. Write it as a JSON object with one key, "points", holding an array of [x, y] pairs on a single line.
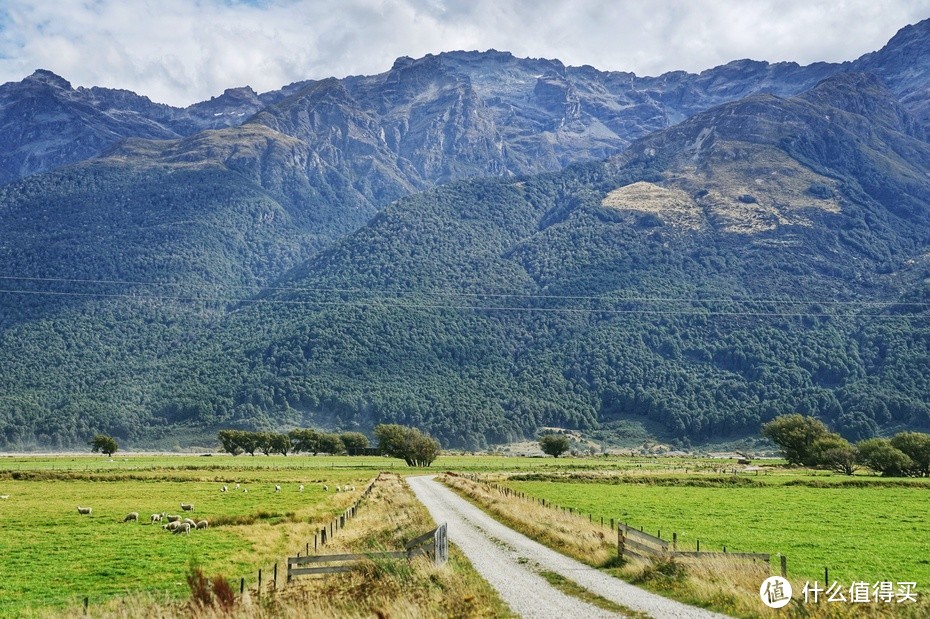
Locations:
{"points": [[872, 533], [53, 557]]}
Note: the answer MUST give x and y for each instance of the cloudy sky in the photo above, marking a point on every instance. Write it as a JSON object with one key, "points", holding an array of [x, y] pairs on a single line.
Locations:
{"points": [[182, 51]]}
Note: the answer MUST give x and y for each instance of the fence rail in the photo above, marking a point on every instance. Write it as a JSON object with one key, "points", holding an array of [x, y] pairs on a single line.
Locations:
{"points": [[433, 543]]}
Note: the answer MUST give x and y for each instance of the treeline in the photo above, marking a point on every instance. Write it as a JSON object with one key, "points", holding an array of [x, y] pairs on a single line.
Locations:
{"points": [[807, 441], [299, 440]]}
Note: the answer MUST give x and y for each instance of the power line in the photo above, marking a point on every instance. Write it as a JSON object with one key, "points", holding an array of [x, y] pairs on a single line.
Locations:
{"points": [[483, 294], [379, 304]]}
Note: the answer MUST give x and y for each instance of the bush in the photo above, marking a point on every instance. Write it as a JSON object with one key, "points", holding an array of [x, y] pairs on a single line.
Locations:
{"points": [[882, 457]]}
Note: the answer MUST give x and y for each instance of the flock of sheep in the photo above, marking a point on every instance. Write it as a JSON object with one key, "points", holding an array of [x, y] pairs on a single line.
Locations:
{"points": [[174, 522]]}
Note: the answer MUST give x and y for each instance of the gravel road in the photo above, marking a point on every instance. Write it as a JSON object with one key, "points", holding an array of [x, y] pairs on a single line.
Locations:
{"points": [[510, 562]]}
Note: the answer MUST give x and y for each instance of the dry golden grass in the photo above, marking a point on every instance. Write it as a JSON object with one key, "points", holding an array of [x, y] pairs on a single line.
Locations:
{"points": [[387, 588], [569, 533]]}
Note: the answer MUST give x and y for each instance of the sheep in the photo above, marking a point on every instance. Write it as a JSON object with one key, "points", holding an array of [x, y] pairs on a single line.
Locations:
{"points": [[182, 527], [301, 488], [4, 496], [237, 486], [277, 488], [325, 488], [172, 517], [203, 524], [85, 511], [338, 488], [156, 518], [245, 490], [224, 489], [131, 516], [188, 507], [171, 526], [190, 522]]}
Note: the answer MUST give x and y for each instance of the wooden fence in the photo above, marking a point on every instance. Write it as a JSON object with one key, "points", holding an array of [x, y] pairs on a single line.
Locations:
{"points": [[633, 543], [434, 543]]}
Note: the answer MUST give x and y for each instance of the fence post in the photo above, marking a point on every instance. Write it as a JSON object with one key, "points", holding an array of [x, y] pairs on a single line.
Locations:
{"points": [[259, 581], [784, 566], [86, 602], [620, 542], [674, 542], [275, 582], [699, 545], [611, 524], [241, 586], [826, 576]]}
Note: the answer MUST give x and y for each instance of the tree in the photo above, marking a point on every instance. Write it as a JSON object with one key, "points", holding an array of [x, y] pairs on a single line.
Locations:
{"points": [[229, 439], [554, 444], [836, 454], [916, 446], [263, 442], [280, 443], [104, 444], [355, 442], [248, 441], [794, 434], [409, 444], [331, 444], [882, 457], [306, 439]]}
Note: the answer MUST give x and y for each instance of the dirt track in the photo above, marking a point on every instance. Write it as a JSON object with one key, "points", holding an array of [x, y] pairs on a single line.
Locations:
{"points": [[511, 561]]}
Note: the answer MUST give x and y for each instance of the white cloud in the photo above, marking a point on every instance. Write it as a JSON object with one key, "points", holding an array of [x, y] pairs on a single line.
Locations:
{"points": [[181, 51]]}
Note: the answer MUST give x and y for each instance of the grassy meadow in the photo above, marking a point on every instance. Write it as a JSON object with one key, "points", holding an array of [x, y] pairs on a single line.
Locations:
{"points": [[862, 528], [53, 557], [870, 533]]}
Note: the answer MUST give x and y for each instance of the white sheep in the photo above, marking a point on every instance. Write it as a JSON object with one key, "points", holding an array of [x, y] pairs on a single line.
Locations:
{"points": [[190, 522], [338, 488], [301, 488], [277, 488], [182, 527], [224, 489], [85, 511], [4, 496], [156, 518], [172, 517], [203, 524], [237, 486], [171, 526], [131, 516], [325, 488], [188, 507], [245, 490]]}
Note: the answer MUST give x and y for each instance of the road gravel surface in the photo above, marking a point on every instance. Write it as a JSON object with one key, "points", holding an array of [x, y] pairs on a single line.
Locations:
{"points": [[511, 563]]}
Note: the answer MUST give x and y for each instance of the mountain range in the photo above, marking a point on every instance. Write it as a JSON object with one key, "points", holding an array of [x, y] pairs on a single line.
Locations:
{"points": [[473, 243]]}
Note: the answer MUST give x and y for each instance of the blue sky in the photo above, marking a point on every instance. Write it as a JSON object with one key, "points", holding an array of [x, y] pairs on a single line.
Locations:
{"points": [[182, 51]]}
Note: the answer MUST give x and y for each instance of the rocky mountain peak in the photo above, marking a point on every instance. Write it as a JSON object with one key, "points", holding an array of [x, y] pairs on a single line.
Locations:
{"points": [[43, 76]]}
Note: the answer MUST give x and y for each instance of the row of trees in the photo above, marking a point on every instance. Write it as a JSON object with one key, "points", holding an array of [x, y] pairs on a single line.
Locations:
{"points": [[807, 441], [395, 441], [298, 440]]}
